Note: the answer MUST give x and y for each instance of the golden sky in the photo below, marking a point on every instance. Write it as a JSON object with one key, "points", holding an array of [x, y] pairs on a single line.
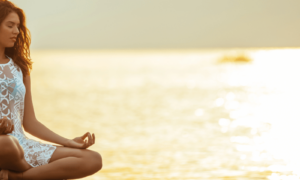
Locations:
{"points": [[157, 24]]}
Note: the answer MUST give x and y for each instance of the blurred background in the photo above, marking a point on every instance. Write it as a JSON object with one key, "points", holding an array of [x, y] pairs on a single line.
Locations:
{"points": [[182, 90]]}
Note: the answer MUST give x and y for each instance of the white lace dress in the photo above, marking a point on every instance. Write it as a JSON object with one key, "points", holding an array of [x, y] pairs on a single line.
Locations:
{"points": [[12, 105]]}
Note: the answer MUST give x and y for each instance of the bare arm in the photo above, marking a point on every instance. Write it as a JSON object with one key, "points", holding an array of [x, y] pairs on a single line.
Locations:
{"points": [[32, 125]]}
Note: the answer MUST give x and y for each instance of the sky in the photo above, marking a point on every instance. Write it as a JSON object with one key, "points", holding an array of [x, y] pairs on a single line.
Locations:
{"points": [[162, 24]]}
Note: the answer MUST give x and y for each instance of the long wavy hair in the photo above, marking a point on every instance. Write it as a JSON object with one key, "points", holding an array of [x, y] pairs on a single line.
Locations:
{"points": [[20, 52]]}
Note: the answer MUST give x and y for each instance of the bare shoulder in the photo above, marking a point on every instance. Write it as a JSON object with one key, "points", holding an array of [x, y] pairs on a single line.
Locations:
{"points": [[27, 83], [26, 79]]}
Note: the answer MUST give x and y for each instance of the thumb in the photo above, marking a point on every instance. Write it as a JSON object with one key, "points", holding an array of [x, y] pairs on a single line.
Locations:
{"points": [[78, 145]]}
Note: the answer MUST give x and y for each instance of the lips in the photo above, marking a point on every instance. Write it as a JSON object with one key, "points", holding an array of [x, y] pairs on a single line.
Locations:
{"points": [[14, 39]]}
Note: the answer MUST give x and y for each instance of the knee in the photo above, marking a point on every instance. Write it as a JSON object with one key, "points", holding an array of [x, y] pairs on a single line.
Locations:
{"points": [[12, 154], [10, 147], [95, 161], [10, 150]]}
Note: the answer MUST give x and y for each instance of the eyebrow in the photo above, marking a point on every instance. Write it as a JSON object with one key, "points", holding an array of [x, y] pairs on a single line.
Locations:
{"points": [[14, 23]]}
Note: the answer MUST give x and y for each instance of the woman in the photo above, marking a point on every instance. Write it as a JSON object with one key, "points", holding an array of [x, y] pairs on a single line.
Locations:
{"points": [[20, 157]]}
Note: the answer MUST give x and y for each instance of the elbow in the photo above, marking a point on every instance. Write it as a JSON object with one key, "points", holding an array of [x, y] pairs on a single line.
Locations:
{"points": [[25, 129], [28, 126]]}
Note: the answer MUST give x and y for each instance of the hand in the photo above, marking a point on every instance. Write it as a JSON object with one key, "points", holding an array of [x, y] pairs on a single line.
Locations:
{"points": [[80, 143], [6, 126]]}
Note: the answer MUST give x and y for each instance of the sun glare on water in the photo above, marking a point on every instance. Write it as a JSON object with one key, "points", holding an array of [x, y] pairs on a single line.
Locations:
{"points": [[176, 115]]}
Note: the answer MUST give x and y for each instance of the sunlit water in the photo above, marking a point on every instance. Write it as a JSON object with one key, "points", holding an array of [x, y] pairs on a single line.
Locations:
{"points": [[176, 114]]}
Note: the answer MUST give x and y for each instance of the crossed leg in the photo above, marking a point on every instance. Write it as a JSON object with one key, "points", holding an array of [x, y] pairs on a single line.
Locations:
{"points": [[65, 163], [12, 155]]}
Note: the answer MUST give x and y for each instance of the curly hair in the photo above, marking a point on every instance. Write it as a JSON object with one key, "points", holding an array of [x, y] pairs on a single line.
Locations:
{"points": [[20, 52]]}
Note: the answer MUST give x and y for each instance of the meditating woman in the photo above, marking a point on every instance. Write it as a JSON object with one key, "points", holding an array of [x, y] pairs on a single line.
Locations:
{"points": [[21, 157]]}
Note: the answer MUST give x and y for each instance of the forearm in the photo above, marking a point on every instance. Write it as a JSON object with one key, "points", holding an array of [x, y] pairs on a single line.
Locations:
{"points": [[39, 130]]}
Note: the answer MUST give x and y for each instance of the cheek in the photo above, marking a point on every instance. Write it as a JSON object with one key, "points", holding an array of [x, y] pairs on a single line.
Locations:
{"points": [[2, 36], [5, 32]]}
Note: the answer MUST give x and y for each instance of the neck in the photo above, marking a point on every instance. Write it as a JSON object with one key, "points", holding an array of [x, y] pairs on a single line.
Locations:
{"points": [[2, 52]]}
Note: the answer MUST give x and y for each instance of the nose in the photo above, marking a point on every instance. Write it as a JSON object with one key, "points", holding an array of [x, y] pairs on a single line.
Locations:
{"points": [[16, 30]]}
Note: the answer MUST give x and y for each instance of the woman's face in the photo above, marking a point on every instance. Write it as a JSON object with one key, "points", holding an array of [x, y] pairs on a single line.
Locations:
{"points": [[9, 30]]}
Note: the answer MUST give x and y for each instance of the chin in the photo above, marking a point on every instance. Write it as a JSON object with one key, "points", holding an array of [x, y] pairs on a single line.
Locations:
{"points": [[11, 45]]}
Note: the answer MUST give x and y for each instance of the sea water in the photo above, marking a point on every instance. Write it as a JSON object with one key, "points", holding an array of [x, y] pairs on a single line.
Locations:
{"points": [[175, 114]]}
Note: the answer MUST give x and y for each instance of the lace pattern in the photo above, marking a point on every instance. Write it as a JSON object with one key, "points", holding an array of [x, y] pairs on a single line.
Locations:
{"points": [[37, 154], [12, 105]]}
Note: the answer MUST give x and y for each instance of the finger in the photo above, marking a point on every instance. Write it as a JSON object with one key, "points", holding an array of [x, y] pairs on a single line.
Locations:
{"points": [[8, 127], [90, 142], [5, 125], [1, 130], [13, 128], [2, 127], [1, 123], [84, 136], [94, 138], [85, 144], [5, 119]]}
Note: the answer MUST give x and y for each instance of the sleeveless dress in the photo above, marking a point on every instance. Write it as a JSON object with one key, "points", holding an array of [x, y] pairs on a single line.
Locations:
{"points": [[12, 106]]}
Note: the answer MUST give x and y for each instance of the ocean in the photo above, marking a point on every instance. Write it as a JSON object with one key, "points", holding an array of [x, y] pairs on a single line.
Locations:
{"points": [[175, 114]]}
